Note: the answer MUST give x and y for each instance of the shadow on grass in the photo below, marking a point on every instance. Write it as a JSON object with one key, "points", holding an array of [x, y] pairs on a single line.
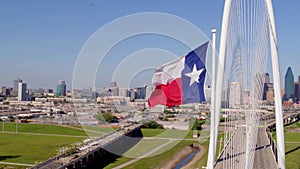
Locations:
{"points": [[292, 150], [8, 157], [120, 146]]}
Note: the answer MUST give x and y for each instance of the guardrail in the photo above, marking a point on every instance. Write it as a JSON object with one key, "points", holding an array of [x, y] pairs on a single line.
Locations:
{"points": [[272, 143]]}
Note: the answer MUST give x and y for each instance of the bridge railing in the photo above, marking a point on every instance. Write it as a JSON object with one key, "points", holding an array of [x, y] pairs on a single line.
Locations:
{"points": [[272, 144]]}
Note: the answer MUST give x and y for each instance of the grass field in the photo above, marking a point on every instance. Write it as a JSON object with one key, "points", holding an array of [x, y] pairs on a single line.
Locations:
{"points": [[32, 139], [37, 142], [157, 159], [292, 147], [163, 133], [143, 147], [41, 128], [30, 149]]}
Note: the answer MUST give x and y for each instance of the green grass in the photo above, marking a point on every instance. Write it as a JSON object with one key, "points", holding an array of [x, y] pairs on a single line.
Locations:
{"points": [[32, 144], [164, 154], [159, 160], [167, 148], [2, 166], [42, 128], [118, 162], [97, 129], [292, 156], [30, 149], [168, 133], [143, 147], [292, 150], [292, 146], [159, 157], [292, 137], [152, 132]]}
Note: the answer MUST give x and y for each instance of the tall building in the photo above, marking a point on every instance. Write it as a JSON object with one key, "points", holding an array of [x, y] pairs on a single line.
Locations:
{"points": [[124, 92], [115, 91], [267, 78], [6, 91], [133, 94], [113, 84], [235, 95], [268, 92], [49, 91], [297, 90], [61, 89], [289, 85], [16, 82], [140, 92], [22, 95], [149, 90]]}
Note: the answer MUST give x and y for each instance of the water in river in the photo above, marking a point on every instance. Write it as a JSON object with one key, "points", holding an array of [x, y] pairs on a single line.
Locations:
{"points": [[187, 159]]}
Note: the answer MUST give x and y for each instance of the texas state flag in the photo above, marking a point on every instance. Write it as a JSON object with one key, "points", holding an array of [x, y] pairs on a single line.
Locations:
{"points": [[181, 81]]}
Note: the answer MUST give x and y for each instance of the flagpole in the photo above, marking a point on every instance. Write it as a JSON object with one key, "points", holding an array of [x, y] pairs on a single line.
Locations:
{"points": [[212, 143]]}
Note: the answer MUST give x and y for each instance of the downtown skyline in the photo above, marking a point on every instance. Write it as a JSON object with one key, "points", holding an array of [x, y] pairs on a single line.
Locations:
{"points": [[40, 41]]}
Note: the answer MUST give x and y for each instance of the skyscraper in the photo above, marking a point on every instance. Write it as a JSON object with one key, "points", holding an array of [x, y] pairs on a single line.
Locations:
{"points": [[267, 78], [61, 88], [289, 85], [297, 90], [149, 90], [113, 84], [268, 92], [16, 86], [22, 95], [235, 94]]}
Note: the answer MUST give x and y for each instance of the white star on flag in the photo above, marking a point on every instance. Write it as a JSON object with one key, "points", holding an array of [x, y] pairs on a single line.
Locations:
{"points": [[194, 75]]}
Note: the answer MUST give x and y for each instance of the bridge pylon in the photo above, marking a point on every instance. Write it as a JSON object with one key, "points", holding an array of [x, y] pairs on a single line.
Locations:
{"points": [[223, 53]]}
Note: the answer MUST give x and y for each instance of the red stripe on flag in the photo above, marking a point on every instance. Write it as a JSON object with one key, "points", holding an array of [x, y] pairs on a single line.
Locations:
{"points": [[169, 94]]}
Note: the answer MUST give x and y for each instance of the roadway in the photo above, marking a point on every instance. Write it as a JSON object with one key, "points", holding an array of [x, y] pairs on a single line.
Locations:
{"points": [[85, 151], [264, 157], [234, 155]]}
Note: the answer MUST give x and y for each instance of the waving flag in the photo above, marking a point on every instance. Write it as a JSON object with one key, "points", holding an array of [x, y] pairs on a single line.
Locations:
{"points": [[181, 81]]}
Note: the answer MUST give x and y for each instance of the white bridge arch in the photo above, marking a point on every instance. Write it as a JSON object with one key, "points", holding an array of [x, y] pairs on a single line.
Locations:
{"points": [[242, 21]]}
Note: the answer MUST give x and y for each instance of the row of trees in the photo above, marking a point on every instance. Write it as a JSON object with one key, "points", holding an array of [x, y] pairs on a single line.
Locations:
{"points": [[152, 125], [106, 117]]}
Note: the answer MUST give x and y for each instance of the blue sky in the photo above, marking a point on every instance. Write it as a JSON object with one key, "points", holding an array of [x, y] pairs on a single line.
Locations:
{"points": [[41, 40]]}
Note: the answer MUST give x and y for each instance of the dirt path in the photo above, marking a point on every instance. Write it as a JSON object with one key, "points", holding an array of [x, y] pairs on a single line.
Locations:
{"points": [[143, 156], [18, 164], [43, 134]]}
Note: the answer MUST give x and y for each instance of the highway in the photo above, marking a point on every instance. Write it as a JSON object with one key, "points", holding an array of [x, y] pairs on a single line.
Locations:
{"points": [[264, 157], [234, 154], [85, 151]]}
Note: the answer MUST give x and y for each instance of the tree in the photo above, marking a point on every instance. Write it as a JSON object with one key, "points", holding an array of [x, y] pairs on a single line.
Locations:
{"points": [[222, 119], [11, 118], [5, 103], [106, 117], [198, 124], [152, 125]]}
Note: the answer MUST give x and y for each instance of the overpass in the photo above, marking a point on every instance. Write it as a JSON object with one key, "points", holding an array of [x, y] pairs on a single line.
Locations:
{"points": [[265, 155], [104, 149]]}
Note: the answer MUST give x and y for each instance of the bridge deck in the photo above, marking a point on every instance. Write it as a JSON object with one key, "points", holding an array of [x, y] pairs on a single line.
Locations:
{"points": [[264, 157], [230, 158]]}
